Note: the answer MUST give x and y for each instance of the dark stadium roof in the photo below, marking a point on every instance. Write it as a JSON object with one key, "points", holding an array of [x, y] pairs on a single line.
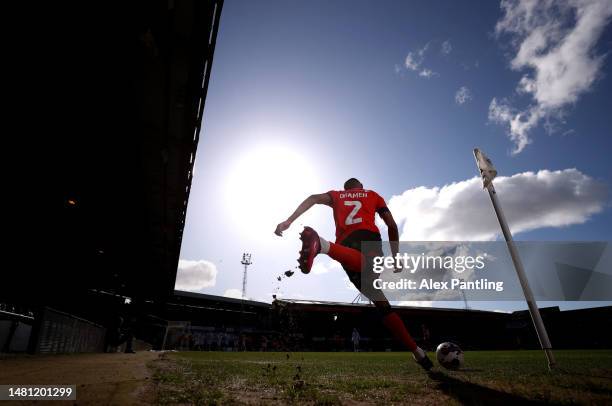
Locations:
{"points": [[222, 300], [180, 295], [347, 305], [123, 113]]}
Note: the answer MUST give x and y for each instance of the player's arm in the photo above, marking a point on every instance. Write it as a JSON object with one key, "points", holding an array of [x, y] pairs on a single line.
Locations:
{"points": [[393, 230], [322, 198]]}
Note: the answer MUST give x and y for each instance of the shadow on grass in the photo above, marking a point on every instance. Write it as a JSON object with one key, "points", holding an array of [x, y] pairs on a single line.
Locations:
{"points": [[564, 371], [470, 370], [469, 393]]}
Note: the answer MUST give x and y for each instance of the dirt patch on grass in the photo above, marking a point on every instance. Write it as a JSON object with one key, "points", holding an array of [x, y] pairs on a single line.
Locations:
{"points": [[100, 379]]}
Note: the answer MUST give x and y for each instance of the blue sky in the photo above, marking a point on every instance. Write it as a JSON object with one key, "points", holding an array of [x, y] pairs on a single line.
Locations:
{"points": [[304, 95]]}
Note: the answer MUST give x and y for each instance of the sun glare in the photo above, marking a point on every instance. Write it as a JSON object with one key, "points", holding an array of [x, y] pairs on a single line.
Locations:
{"points": [[265, 185]]}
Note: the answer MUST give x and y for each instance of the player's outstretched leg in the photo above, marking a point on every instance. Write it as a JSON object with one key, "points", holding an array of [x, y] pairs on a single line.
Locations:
{"points": [[394, 323], [312, 245], [349, 257]]}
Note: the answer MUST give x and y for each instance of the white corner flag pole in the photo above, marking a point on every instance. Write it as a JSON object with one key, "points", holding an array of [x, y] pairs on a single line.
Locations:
{"points": [[488, 173]]}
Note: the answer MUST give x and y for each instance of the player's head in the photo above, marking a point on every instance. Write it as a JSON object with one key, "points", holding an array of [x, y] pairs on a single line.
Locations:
{"points": [[352, 183]]}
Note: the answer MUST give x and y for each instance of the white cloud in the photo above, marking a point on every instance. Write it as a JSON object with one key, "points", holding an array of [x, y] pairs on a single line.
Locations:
{"points": [[446, 47], [520, 122], [414, 62], [554, 42], [320, 267], [416, 303], [463, 211], [195, 275], [348, 284], [427, 73], [463, 95], [233, 293]]}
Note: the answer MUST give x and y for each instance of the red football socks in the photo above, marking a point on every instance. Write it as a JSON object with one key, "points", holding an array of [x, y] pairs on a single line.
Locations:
{"points": [[348, 257], [352, 259], [395, 324]]}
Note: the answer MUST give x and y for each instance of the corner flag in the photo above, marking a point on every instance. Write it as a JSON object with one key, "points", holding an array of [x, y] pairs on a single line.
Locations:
{"points": [[488, 173]]}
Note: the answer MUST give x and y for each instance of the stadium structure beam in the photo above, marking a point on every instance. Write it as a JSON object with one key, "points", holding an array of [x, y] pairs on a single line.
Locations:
{"points": [[488, 173]]}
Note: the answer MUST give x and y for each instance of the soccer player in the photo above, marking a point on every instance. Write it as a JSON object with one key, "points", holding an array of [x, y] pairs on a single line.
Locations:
{"points": [[354, 211]]}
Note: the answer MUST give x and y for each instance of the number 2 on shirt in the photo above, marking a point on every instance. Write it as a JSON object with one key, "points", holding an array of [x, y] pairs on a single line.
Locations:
{"points": [[351, 219]]}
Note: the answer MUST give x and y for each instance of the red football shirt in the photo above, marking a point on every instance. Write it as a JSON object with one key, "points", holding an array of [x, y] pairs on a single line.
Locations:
{"points": [[355, 209]]}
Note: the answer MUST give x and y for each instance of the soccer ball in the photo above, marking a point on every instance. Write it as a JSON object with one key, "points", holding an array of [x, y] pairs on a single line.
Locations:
{"points": [[449, 355]]}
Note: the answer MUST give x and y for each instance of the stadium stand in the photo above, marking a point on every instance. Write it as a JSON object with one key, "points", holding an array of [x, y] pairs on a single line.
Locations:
{"points": [[121, 91], [206, 322]]}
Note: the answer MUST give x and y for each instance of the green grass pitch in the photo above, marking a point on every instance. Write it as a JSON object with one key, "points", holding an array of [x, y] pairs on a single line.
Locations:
{"points": [[489, 377]]}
